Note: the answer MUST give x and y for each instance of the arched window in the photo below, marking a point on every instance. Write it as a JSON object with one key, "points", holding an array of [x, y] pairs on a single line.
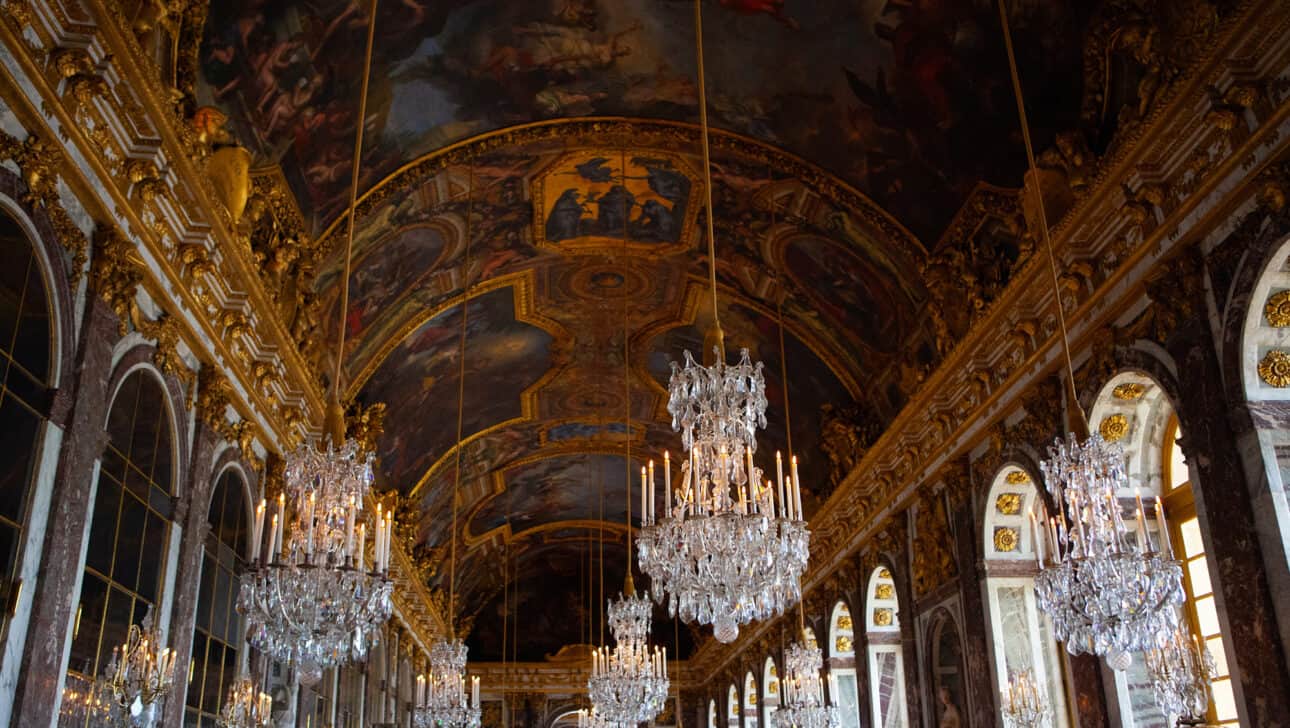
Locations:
{"points": [[886, 663], [1189, 547], [750, 701], [842, 664], [218, 632], [732, 707], [1133, 410], [947, 689], [130, 523], [770, 693], [25, 356], [1022, 636], [712, 714]]}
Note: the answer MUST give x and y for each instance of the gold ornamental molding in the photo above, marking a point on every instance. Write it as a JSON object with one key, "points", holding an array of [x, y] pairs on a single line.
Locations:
{"points": [[629, 132], [947, 415], [105, 120], [1277, 309]]}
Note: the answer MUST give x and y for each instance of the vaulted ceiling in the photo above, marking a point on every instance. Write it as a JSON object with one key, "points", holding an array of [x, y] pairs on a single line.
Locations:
{"points": [[504, 140]]}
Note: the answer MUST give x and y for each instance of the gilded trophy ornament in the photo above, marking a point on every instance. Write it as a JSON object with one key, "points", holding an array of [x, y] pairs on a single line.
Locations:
{"points": [[1277, 309], [1129, 391], [1008, 504], [1274, 368], [884, 591], [1114, 427], [1005, 539], [1017, 477]]}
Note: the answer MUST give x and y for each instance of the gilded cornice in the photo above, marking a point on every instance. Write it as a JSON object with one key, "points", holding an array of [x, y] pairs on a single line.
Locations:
{"points": [[76, 74], [127, 160], [985, 377]]}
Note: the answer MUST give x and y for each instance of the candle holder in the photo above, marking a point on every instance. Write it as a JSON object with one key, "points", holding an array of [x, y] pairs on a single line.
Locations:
{"points": [[1022, 703], [312, 600], [140, 674]]}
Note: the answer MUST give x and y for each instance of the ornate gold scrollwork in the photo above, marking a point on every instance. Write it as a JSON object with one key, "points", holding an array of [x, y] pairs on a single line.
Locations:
{"points": [[1129, 391], [115, 274], [38, 162]]}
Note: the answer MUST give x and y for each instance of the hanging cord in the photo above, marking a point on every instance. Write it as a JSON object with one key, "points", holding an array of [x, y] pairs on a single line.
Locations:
{"points": [[629, 588], [461, 398], [1043, 220], [602, 555], [335, 422], [506, 611], [707, 180], [783, 378]]}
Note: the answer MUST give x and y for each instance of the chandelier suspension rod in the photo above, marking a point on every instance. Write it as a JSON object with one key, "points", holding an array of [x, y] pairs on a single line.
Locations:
{"points": [[349, 238], [1043, 219], [783, 376], [707, 179], [461, 398]]}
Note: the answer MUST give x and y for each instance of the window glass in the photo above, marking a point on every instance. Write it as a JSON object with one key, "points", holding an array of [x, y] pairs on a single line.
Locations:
{"points": [[25, 352], [217, 634], [128, 533]]}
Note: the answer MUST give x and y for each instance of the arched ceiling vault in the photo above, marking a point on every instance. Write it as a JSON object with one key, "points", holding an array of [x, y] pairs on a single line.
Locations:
{"points": [[505, 141]]}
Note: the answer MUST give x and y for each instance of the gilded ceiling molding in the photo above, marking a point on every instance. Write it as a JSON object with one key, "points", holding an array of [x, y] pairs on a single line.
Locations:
{"points": [[632, 133], [1130, 260]]}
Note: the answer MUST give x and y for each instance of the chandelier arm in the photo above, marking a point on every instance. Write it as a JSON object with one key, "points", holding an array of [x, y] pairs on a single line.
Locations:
{"points": [[461, 399], [353, 200], [1043, 219], [707, 178]]}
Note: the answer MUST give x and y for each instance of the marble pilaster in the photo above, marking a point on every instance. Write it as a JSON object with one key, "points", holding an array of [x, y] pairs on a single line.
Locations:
{"points": [[1225, 510], [54, 602], [193, 512]]}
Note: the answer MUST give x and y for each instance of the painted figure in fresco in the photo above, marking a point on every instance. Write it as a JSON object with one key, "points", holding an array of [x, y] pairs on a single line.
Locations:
{"points": [[773, 8], [565, 219]]}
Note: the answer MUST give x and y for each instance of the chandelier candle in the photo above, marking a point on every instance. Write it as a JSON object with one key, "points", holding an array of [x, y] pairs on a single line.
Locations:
{"points": [[309, 601], [1107, 589]]}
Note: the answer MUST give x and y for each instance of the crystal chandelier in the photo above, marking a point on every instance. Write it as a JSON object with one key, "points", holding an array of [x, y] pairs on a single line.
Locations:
{"points": [[726, 553], [246, 706], [802, 700], [1181, 671], [441, 697], [589, 718], [1022, 703], [85, 701], [1106, 588], [313, 601], [629, 683], [140, 674]]}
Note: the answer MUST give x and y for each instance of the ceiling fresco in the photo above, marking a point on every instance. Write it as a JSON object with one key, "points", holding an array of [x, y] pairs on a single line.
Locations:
{"points": [[550, 299], [532, 165], [908, 102]]}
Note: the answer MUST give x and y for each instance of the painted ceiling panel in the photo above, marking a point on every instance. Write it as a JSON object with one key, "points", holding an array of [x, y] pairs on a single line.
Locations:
{"points": [[908, 101]]}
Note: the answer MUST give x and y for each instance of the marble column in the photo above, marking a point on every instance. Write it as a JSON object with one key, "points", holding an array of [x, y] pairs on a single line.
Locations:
{"points": [[978, 688], [58, 582], [192, 514], [1226, 513]]}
